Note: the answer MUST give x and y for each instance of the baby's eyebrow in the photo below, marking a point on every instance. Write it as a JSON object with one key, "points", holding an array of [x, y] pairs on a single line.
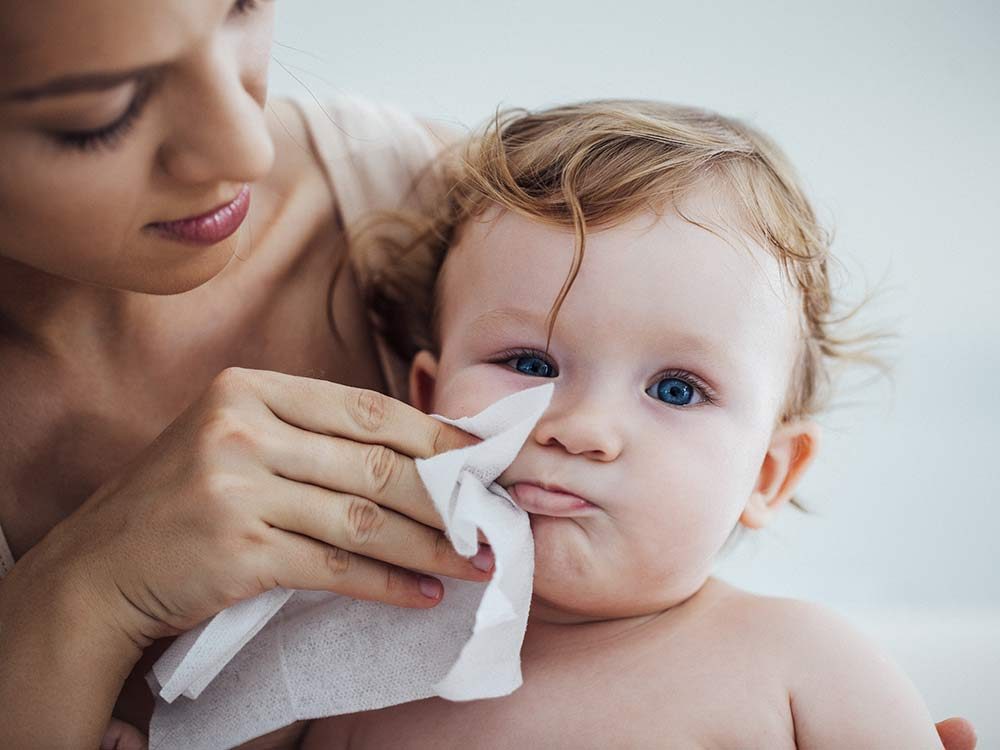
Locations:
{"points": [[491, 320], [691, 344]]}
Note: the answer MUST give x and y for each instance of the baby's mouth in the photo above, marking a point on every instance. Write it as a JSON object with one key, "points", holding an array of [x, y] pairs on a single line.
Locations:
{"points": [[549, 501]]}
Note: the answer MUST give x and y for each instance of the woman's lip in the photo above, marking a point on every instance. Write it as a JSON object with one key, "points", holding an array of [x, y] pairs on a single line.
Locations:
{"points": [[548, 502], [210, 227]]}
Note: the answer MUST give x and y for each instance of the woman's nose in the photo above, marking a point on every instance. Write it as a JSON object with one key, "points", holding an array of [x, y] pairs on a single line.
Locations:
{"points": [[219, 129], [590, 428]]}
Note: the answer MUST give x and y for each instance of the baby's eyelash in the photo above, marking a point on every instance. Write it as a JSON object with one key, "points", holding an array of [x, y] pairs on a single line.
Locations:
{"points": [[245, 6], [707, 392], [510, 354]]}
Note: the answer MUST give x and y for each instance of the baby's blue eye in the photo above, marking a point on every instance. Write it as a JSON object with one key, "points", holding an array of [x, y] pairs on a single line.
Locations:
{"points": [[675, 391], [535, 366]]}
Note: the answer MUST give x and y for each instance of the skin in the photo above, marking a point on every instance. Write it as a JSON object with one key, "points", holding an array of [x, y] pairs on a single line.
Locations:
{"points": [[624, 615], [163, 454], [169, 361]]}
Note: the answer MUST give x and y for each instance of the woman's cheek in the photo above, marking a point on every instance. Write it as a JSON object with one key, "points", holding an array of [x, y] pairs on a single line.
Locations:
{"points": [[70, 214], [255, 51]]}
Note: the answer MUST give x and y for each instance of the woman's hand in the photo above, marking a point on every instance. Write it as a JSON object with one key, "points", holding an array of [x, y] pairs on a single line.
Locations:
{"points": [[268, 480]]}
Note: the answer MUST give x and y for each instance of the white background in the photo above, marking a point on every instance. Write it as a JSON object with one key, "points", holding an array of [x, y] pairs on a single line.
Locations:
{"points": [[891, 112]]}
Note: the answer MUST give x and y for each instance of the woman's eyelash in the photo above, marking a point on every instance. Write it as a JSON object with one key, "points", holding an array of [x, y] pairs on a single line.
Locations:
{"points": [[109, 135]]}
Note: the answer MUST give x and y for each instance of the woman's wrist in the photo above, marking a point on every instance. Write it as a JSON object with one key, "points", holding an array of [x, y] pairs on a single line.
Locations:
{"points": [[63, 661], [80, 582]]}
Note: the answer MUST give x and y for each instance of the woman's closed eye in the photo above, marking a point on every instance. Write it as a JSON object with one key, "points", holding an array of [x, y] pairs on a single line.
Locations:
{"points": [[107, 136]]}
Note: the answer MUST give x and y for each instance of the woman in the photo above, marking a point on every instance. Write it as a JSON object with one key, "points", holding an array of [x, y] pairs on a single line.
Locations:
{"points": [[160, 227]]}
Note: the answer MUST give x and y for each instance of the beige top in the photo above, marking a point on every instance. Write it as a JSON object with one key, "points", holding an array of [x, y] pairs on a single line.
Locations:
{"points": [[371, 155]]}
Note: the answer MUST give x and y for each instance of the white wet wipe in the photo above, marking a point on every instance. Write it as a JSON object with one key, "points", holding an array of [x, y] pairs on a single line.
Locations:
{"points": [[287, 654]]}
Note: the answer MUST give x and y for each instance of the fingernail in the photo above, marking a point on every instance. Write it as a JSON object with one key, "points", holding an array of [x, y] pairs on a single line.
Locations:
{"points": [[430, 587], [483, 560]]}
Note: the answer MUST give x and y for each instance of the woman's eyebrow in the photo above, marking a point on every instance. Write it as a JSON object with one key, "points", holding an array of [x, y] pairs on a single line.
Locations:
{"points": [[78, 83]]}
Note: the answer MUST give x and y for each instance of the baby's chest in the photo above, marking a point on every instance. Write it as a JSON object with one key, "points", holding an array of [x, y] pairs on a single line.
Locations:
{"points": [[600, 707]]}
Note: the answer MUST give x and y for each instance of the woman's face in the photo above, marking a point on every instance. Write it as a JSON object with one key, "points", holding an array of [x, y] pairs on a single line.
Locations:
{"points": [[118, 118]]}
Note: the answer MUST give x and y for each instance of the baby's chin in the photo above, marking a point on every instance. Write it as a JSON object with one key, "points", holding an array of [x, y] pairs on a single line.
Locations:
{"points": [[575, 581], [572, 581]]}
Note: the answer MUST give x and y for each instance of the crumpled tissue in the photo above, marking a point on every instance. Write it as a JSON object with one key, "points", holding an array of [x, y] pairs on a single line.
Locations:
{"points": [[287, 654]]}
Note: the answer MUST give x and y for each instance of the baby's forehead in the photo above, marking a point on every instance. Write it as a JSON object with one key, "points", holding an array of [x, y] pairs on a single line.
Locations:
{"points": [[704, 227], [689, 265]]}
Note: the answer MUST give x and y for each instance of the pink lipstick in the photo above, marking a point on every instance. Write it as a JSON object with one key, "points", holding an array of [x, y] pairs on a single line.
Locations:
{"points": [[210, 227]]}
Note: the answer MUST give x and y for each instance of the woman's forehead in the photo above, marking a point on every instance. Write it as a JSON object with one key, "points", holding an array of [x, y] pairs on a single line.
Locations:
{"points": [[44, 40]]}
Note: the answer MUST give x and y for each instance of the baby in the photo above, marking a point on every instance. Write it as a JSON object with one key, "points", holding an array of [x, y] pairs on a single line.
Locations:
{"points": [[661, 265]]}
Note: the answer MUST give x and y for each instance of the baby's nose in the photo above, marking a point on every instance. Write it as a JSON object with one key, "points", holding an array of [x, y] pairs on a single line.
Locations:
{"points": [[591, 430]]}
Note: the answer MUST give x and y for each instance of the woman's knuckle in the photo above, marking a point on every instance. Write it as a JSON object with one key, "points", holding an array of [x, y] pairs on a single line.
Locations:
{"points": [[382, 464], [220, 487], [337, 560], [443, 551], [438, 435], [368, 409], [364, 519], [254, 538], [395, 581], [231, 381], [226, 429]]}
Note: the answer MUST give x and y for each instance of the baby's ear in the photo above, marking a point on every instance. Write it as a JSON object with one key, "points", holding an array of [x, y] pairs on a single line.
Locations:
{"points": [[423, 376], [793, 447]]}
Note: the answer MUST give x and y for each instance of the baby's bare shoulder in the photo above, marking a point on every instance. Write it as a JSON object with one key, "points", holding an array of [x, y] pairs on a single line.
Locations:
{"points": [[708, 673], [843, 690]]}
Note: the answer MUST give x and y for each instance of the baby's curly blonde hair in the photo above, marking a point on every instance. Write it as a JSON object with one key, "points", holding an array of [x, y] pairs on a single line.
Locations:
{"points": [[592, 165]]}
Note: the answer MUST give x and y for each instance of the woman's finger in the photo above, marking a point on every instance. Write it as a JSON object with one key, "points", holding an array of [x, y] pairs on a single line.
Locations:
{"points": [[122, 736], [356, 414], [301, 562], [373, 471], [359, 525], [957, 733]]}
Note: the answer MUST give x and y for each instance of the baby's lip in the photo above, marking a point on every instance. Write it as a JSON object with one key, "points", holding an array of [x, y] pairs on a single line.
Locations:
{"points": [[549, 500]]}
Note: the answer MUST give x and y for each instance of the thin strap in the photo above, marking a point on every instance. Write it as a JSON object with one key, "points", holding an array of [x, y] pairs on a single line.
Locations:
{"points": [[6, 556]]}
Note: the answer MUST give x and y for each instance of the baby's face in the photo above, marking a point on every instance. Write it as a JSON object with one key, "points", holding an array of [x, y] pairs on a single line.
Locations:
{"points": [[671, 358]]}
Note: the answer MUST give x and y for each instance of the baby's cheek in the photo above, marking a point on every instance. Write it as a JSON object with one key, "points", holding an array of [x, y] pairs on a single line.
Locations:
{"points": [[468, 391], [682, 523]]}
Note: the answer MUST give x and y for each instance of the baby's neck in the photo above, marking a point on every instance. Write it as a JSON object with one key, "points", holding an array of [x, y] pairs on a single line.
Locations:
{"points": [[548, 624]]}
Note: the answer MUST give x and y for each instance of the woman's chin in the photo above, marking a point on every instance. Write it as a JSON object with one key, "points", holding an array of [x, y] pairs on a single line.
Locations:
{"points": [[177, 276]]}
